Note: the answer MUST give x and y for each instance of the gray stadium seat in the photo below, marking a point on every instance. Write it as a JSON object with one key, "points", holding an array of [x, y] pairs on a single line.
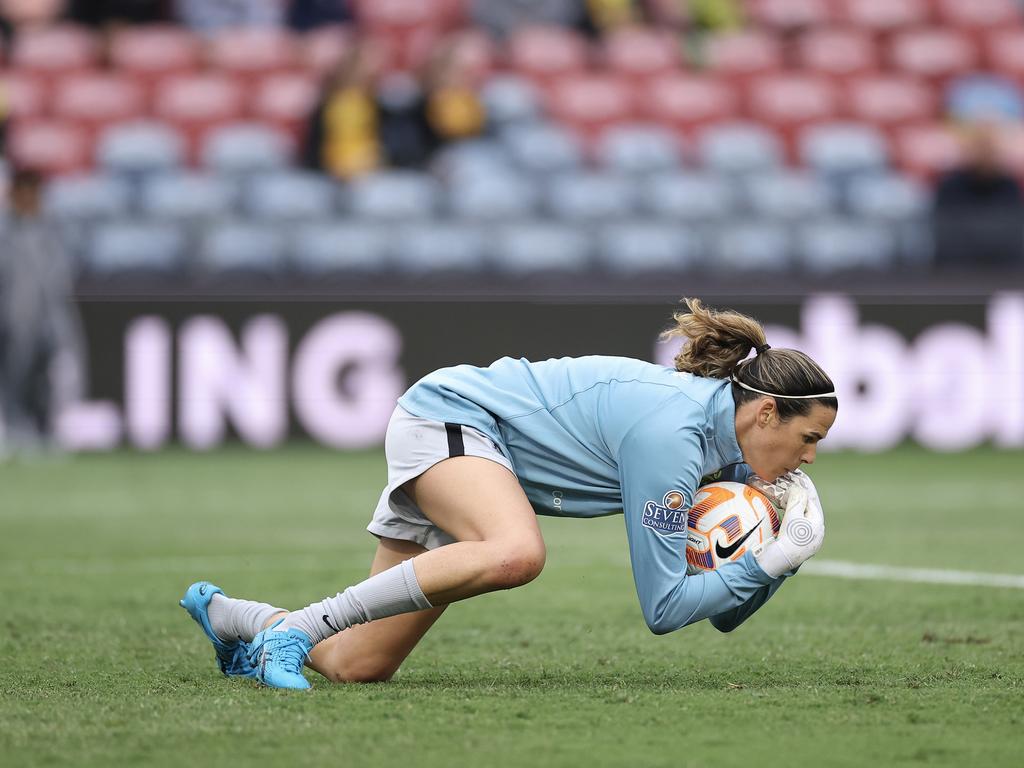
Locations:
{"points": [[242, 246], [739, 148], [290, 196], [533, 247], [788, 195], [88, 197], [246, 148], [132, 247], [501, 196], [341, 246], [543, 148], [639, 149], [590, 196], [140, 147], [188, 197], [440, 247], [840, 244], [751, 245], [469, 160], [687, 197], [843, 149], [394, 196], [646, 246], [890, 198], [510, 99], [904, 206]]}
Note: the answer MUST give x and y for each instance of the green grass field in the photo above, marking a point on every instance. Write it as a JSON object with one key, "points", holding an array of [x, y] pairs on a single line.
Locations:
{"points": [[101, 667]]}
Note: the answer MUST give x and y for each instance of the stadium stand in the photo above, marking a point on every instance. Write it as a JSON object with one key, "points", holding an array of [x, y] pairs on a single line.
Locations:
{"points": [[839, 114]]}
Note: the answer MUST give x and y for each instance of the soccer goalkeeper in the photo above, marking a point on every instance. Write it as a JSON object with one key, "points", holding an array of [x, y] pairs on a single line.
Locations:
{"points": [[474, 454]]}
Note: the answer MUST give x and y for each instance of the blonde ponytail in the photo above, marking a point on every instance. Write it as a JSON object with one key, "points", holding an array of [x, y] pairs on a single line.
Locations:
{"points": [[715, 342]]}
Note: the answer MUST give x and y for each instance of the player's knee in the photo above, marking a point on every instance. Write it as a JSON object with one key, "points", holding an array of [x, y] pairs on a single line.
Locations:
{"points": [[519, 564], [363, 670]]}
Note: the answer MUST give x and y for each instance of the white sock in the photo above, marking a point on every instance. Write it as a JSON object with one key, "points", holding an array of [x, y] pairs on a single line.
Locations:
{"points": [[233, 619], [389, 593]]}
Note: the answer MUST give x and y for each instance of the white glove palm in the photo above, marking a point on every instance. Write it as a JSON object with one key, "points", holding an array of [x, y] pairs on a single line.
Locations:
{"points": [[802, 532]]}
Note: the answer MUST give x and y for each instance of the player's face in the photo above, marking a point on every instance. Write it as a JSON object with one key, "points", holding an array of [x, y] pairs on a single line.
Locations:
{"points": [[776, 447]]}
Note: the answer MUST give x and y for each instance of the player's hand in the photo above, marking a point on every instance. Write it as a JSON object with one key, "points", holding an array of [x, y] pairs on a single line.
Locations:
{"points": [[801, 534]]}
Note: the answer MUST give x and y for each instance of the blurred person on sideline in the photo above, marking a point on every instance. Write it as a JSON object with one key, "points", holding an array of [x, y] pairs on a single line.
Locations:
{"points": [[978, 214], [41, 346]]}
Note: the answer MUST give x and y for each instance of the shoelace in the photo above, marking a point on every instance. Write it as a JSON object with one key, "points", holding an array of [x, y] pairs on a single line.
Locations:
{"points": [[288, 651], [240, 660]]}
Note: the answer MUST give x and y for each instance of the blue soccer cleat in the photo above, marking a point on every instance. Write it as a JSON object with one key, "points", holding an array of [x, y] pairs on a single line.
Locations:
{"points": [[278, 657], [232, 657]]}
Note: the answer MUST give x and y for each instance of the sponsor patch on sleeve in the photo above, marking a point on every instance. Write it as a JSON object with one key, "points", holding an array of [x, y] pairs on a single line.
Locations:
{"points": [[669, 516]]}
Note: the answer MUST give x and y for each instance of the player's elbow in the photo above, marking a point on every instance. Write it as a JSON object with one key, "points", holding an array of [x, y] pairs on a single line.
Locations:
{"points": [[722, 625], [659, 623]]}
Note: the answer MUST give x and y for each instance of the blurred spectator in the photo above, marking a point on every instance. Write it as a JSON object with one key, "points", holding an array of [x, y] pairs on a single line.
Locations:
{"points": [[304, 15], [503, 17], [99, 13], [358, 126], [343, 138], [417, 119], [40, 336], [978, 216], [984, 97], [19, 14], [213, 15]]}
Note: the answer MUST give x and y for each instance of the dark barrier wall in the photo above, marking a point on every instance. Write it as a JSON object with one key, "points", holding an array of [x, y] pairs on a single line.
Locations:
{"points": [[947, 374]]}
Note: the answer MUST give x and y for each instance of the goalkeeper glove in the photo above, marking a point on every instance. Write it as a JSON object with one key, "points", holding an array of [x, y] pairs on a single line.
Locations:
{"points": [[802, 531]]}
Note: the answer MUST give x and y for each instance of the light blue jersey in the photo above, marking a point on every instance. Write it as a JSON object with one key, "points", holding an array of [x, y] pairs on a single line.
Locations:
{"points": [[599, 436]]}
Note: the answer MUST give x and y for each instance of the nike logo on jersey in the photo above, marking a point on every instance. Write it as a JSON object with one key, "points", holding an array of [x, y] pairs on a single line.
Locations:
{"points": [[724, 553]]}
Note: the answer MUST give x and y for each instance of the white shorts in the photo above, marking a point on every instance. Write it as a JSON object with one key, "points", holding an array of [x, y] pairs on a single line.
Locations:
{"points": [[412, 446]]}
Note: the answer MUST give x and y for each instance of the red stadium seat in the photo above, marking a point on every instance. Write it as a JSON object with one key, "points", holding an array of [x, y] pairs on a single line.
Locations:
{"points": [[641, 53], [384, 15], [196, 103], [98, 99], [588, 104], [23, 95], [286, 101], [884, 15], [840, 53], [791, 101], [979, 14], [253, 51], [891, 100], [790, 14], [54, 51], [50, 147], [541, 53], [323, 49], [926, 150], [154, 51], [743, 54], [933, 53], [689, 102], [1005, 52]]}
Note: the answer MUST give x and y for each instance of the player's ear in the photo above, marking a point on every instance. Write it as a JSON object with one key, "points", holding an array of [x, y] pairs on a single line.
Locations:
{"points": [[767, 412]]}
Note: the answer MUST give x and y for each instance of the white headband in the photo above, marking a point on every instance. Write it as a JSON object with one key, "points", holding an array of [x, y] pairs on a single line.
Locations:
{"points": [[772, 394]]}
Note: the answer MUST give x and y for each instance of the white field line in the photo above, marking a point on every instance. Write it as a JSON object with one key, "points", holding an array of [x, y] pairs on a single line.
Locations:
{"points": [[283, 561], [845, 570]]}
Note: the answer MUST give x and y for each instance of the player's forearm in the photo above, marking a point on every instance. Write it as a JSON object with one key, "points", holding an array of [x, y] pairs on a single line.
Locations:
{"points": [[729, 620], [701, 596]]}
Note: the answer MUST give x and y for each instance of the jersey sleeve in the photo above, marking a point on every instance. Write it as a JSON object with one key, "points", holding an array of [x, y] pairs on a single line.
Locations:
{"points": [[660, 468]]}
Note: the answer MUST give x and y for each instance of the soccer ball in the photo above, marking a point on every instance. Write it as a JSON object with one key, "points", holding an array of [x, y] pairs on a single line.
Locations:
{"points": [[725, 521]]}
